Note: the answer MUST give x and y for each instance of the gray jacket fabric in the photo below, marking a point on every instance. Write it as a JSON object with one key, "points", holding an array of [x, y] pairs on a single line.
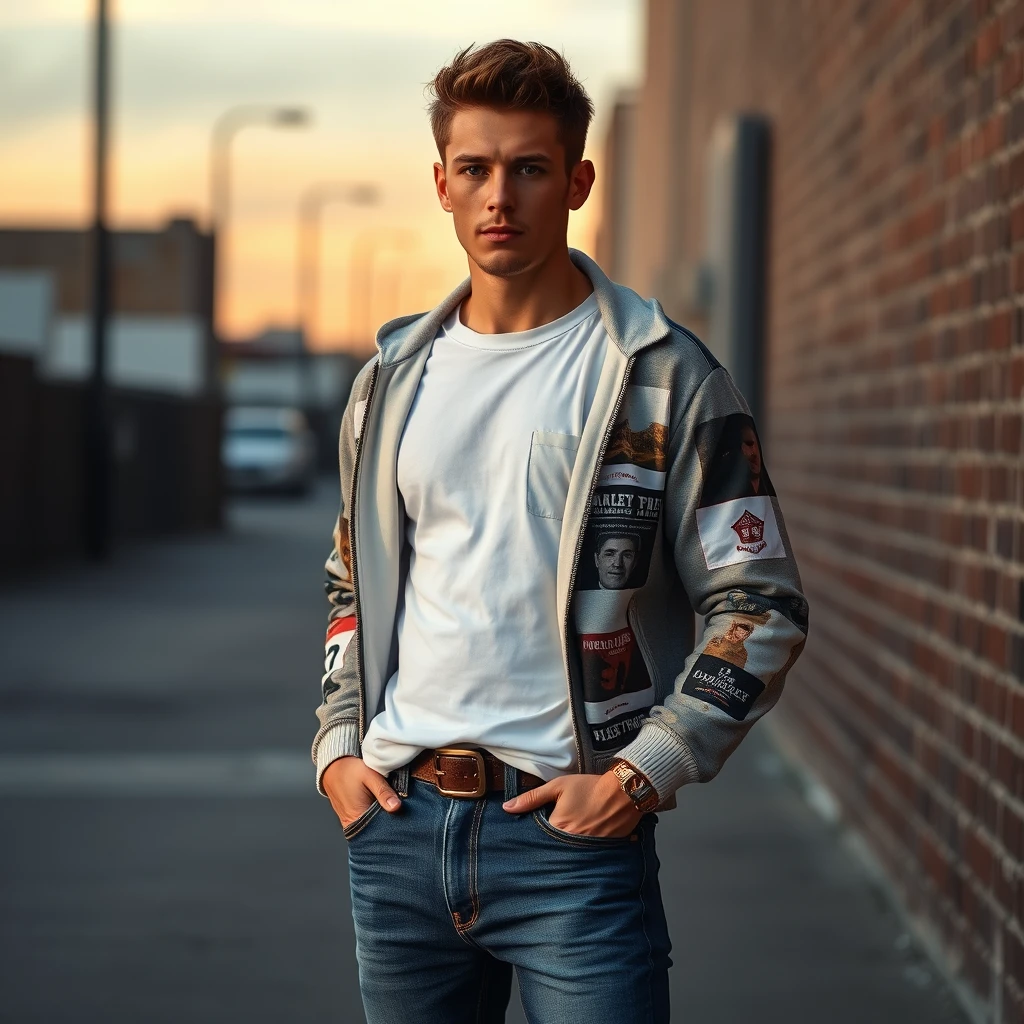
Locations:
{"points": [[668, 510]]}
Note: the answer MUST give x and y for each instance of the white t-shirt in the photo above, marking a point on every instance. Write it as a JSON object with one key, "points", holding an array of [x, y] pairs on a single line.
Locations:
{"points": [[483, 469]]}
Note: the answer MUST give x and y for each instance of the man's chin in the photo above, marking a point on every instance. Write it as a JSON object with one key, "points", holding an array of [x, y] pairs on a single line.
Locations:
{"points": [[503, 264]]}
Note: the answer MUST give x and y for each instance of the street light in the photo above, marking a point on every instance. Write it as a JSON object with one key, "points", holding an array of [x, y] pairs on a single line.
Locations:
{"points": [[311, 206], [364, 253], [224, 130]]}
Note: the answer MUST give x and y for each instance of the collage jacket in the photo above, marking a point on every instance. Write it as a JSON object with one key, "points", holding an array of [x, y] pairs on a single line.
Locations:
{"points": [[666, 509]]}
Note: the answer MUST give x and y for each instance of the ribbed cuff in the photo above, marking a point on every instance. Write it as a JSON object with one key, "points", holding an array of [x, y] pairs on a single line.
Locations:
{"points": [[664, 758], [341, 740]]}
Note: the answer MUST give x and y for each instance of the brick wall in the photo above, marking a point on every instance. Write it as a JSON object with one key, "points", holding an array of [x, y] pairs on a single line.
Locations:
{"points": [[895, 375]]}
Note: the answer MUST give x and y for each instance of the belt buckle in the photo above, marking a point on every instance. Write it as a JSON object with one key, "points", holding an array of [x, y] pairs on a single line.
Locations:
{"points": [[481, 770]]}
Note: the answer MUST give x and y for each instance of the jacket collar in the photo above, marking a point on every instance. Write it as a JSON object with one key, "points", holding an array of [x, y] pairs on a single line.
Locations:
{"points": [[632, 323]]}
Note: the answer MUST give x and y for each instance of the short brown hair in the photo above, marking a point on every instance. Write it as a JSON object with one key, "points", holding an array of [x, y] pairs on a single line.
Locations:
{"points": [[515, 76]]}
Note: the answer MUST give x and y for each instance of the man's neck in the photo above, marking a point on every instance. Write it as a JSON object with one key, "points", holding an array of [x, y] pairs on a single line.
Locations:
{"points": [[507, 305]]}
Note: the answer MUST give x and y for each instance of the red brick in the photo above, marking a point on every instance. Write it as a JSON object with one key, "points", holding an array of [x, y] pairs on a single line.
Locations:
{"points": [[1011, 72]]}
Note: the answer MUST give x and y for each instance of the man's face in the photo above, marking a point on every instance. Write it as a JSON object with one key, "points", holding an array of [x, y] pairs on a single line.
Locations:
{"points": [[614, 561], [751, 451], [505, 182]]}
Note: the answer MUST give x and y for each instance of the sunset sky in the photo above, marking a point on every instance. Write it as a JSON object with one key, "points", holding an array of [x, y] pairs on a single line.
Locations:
{"points": [[359, 67]]}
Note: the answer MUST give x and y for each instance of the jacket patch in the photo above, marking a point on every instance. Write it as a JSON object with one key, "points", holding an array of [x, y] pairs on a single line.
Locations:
{"points": [[731, 461], [614, 666], [723, 684], [339, 636], [739, 531], [731, 644], [615, 560], [735, 516]]}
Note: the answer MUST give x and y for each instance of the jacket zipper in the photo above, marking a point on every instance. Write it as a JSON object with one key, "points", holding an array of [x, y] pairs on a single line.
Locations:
{"points": [[576, 559], [353, 530]]}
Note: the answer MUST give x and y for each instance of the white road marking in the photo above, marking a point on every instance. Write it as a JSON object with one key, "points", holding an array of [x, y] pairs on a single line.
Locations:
{"points": [[230, 774]]}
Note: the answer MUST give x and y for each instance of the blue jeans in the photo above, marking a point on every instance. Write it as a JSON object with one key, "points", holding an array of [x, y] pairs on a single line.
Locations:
{"points": [[449, 895]]}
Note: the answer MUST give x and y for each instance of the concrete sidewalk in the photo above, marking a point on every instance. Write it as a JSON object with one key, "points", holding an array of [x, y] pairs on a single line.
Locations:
{"points": [[166, 859]]}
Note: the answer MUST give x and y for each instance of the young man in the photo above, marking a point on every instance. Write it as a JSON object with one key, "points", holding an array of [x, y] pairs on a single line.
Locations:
{"points": [[502, 714]]}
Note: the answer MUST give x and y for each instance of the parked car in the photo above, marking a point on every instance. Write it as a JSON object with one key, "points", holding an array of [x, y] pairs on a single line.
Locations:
{"points": [[268, 449]]}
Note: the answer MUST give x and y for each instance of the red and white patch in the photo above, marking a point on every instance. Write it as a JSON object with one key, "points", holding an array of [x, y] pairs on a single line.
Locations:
{"points": [[339, 636], [739, 531]]}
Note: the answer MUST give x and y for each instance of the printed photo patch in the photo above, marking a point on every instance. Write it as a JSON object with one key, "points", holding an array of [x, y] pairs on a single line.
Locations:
{"points": [[731, 460], [723, 685], [616, 683]]}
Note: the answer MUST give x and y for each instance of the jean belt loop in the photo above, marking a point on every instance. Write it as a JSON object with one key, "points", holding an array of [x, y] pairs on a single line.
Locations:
{"points": [[511, 782]]}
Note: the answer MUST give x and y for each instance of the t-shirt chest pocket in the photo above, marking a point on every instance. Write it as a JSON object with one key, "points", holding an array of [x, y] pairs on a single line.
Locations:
{"points": [[552, 456]]}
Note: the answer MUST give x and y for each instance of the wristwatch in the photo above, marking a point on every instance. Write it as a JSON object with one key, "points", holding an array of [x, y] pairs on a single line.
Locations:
{"points": [[635, 785]]}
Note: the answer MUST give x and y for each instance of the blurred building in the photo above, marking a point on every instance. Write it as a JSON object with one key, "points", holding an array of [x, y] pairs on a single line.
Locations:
{"points": [[161, 334], [832, 194], [164, 400]]}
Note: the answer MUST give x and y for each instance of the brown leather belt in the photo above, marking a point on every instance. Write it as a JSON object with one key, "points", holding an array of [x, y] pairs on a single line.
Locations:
{"points": [[464, 772]]}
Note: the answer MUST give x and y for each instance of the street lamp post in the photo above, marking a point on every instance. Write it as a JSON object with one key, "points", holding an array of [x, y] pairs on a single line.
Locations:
{"points": [[311, 206], [224, 130], [98, 482], [367, 246]]}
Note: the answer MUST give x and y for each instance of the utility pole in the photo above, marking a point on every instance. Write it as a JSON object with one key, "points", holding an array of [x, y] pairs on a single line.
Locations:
{"points": [[97, 462]]}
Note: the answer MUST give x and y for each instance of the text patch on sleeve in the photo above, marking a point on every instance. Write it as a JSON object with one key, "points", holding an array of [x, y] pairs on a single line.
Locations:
{"points": [[723, 685]]}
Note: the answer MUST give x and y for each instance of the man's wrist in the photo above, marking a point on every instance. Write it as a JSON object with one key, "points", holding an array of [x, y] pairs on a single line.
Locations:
{"points": [[635, 785]]}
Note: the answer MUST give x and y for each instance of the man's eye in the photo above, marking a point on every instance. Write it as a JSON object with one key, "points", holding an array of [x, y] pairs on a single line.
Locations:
{"points": [[529, 170], [473, 170]]}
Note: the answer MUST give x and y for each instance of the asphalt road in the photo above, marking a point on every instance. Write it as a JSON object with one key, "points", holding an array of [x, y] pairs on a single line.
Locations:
{"points": [[165, 858]]}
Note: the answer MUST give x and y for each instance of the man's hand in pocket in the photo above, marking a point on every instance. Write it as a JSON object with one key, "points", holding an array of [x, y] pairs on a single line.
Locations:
{"points": [[353, 786]]}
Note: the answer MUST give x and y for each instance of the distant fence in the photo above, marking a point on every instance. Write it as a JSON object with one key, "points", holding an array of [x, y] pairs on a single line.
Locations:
{"points": [[167, 473]]}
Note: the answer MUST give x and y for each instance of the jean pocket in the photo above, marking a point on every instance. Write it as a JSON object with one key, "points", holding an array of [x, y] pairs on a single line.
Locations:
{"points": [[573, 839], [353, 828], [552, 457]]}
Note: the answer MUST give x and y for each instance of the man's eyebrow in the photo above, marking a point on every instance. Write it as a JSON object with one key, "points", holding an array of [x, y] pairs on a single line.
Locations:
{"points": [[528, 158]]}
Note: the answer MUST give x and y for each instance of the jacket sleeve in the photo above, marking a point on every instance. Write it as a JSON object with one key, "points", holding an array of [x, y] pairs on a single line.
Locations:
{"points": [[339, 713], [729, 543]]}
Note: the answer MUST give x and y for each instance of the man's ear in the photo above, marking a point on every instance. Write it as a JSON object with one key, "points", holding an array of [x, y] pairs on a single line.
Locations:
{"points": [[441, 184], [581, 181]]}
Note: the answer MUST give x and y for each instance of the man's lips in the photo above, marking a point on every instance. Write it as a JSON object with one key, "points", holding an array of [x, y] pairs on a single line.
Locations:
{"points": [[501, 234]]}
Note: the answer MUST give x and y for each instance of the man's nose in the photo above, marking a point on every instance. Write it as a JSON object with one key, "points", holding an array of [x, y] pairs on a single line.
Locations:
{"points": [[501, 195]]}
